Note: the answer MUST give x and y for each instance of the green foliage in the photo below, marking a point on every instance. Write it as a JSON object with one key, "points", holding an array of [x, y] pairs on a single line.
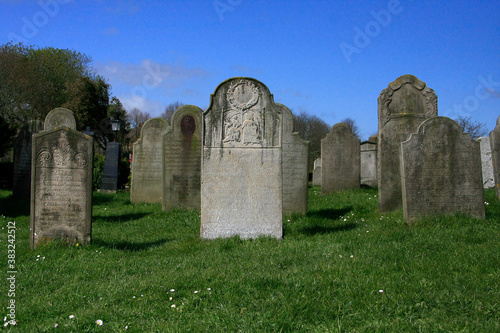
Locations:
{"points": [[313, 129], [6, 136], [342, 267], [97, 171], [124, 173]]}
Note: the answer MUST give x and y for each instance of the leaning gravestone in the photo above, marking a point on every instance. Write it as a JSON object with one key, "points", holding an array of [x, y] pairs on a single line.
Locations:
{"points": [[441, 171], [61, 192], [369, 163], [340, 164], [241, 179], [147, 163], [182, 159], [316, 181], [295, 161], [22, 159], [402, 107], [495, 155], [487, 164]]}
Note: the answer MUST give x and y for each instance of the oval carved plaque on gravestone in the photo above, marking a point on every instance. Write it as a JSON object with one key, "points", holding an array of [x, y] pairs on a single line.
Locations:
{"points": [[188, 125]]}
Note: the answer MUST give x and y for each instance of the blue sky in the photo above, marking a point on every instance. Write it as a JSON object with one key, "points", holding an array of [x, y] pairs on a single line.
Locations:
{"points": [[328, 58]]}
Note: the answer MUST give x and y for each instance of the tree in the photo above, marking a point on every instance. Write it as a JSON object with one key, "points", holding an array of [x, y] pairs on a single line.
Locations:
{"points": [[6, 136], [474, 128], [352, 125], [313, 129], [137, 118], [170, 109]]}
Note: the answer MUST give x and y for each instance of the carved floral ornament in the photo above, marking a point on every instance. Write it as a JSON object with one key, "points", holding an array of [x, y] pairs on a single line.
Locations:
{"points": [[61, 156], [242, 94]]}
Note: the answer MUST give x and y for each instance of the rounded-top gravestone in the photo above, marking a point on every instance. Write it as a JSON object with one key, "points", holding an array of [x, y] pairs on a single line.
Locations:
{"points": [[60, 118]]}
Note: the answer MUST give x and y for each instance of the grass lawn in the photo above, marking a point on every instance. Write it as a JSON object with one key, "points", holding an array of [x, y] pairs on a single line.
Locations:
{"points": [[343, 267]]}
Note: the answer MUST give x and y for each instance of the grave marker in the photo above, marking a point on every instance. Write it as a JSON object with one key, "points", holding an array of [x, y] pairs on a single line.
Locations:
{"points": [[316, 181], [369, 164], [495, 155], [487, 164]]}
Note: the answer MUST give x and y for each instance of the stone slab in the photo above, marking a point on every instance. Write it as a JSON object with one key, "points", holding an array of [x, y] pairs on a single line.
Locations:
{"points": [[495, 155], [109, 180], [60, 118], [486, 162], [368, 160]]}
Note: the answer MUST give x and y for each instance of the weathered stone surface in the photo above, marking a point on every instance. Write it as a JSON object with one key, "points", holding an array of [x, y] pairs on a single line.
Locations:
{"points": [[487, 164], [61, 193], [22, 159], [316, 181], [241, 180], [295, 161], [182, 159], [495, 155], [109, 180], [369, 164], [60, 118], [147, 163], [441, 171], [340, 160], [402, 107]]}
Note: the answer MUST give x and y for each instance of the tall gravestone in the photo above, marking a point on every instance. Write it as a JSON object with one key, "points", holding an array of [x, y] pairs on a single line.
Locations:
{"points": [[402, 107], [61, 181], [487, 164], [147, 163], [241, 179], [316, 181], [182, 159], [295, 162], [22, 159], [340, 160], [495, 155], [110, 172], [441, 171], [369, 163]]}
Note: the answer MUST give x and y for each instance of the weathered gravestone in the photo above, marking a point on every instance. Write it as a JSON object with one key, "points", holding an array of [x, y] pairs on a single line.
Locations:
{"points": [[22, 159], [295, 161], [316, 181], [495, 155], [182, 159], [61, 192], [487, 164], [369, 164], [109, 180], [441, 171], [241, 179], [60, 118], [147, 163], [402, 107], [340, 160]]}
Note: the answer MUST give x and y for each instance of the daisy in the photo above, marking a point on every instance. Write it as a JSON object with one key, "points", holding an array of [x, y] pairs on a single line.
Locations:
{"points": [[99, 322]]}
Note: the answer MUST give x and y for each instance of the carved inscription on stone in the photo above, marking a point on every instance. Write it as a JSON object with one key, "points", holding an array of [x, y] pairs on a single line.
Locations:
{"points": [[61, 198], [441, 171]]}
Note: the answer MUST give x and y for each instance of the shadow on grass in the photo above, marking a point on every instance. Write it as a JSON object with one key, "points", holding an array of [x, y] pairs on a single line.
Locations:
{"points": [[331, 214], [99, 199], [13, 207], [130, 246], [120, 218], [320, 229]]}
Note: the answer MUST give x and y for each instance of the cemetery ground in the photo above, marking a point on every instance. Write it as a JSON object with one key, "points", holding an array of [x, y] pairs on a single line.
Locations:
{"points": [[342, 267]]}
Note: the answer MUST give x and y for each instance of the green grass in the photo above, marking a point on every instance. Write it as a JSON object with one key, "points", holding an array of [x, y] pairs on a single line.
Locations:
{"points": [[325, 275]]}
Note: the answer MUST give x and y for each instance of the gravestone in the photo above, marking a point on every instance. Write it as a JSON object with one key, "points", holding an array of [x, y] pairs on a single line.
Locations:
{"points": [[340, 160], [402, 107], [487, 164], [441, 171], [60, 118], [22, 159], [182, 159], [147, 163], [241, 178], [369, 163], [109, 180], [316, 181], [295, 161], [495, 155], [61, 192]]}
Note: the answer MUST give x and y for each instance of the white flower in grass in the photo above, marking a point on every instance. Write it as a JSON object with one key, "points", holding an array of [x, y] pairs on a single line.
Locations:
{"points": [[4, 318], [133, 297], [172, 306], [6, 324], [352, 256], [170, 299], [381, 291], [209, 289], [126, 327], [56, 325], [172, 290], [71, 316], [196, 291], [99, 322]]}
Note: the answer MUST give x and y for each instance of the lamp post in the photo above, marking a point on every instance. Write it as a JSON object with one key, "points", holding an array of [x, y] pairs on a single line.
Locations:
{"points": [[115, 126], [109, 181]]}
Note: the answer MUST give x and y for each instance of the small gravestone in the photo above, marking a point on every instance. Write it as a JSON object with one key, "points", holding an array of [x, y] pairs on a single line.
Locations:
{"points": [[147, 163], [241, 179], [402, 107], [495, 155], [487, 164], [316, 181], [295, 161], [182, 159], [369, 164], [60, 118], [22, 159], [340, 165], [109, 180], [441, 171], [61, 193]]}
